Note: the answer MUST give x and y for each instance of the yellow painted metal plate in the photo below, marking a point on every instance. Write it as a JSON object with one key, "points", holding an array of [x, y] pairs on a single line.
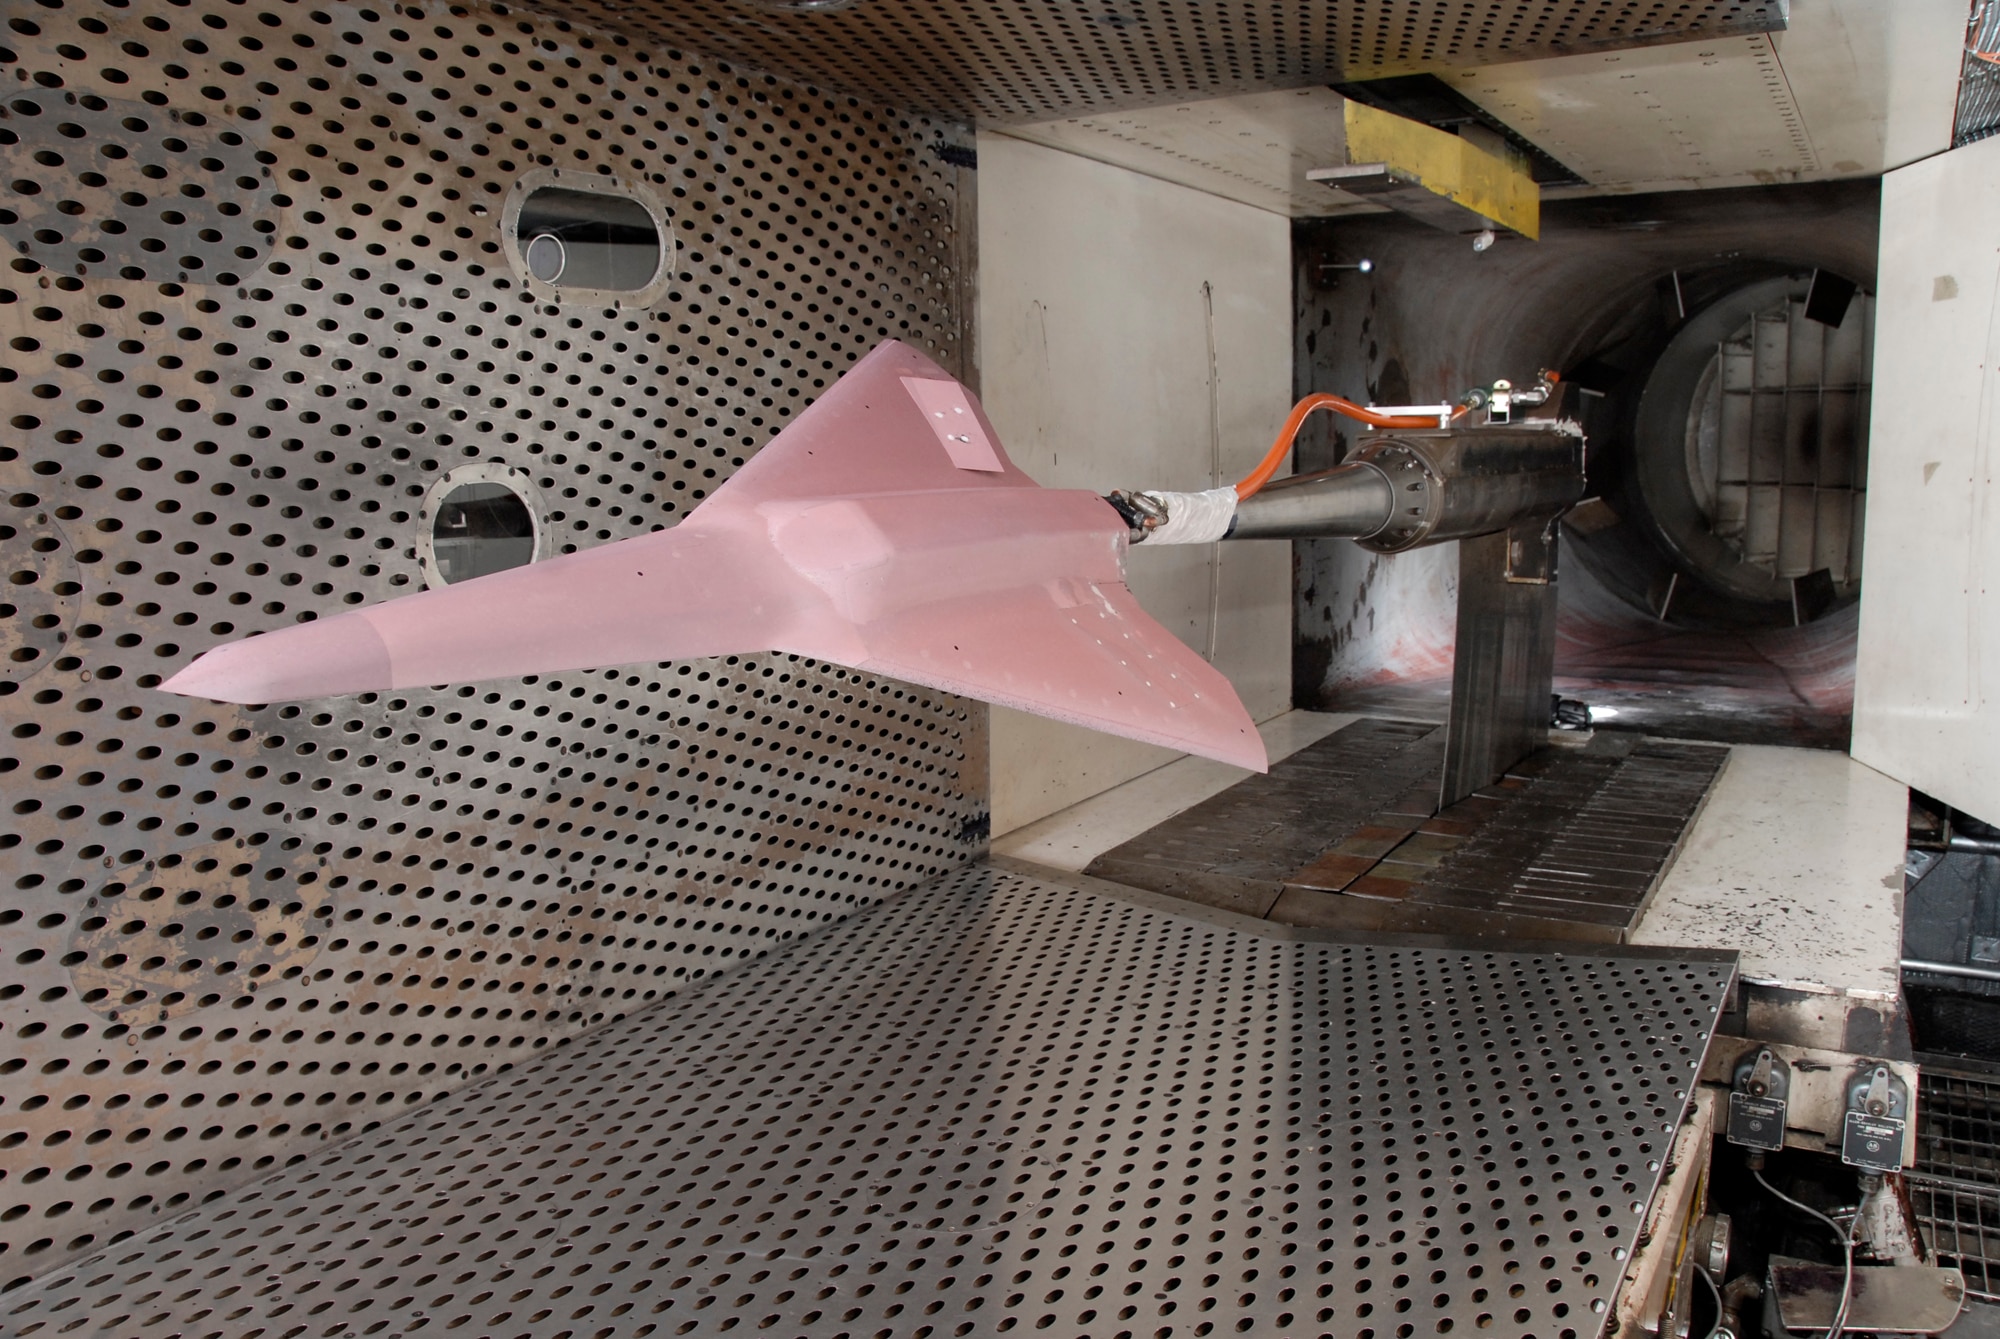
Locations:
{"points": [[1493, 187]]}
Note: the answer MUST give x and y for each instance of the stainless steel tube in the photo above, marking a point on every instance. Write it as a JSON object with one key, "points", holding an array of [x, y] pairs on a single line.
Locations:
{"points": [[1349, 501]]}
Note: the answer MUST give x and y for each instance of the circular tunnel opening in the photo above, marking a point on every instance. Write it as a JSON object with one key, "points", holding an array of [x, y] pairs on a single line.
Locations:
{"points": [[1729, 458], [1711, 583]]}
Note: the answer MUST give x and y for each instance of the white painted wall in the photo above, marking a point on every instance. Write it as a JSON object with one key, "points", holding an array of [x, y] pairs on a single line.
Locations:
{"points": [[1094, 366], [1927, 679]]}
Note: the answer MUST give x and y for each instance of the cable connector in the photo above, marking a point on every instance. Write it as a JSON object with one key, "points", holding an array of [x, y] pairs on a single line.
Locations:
{"points": [[1142, 514], [1177, 518]]}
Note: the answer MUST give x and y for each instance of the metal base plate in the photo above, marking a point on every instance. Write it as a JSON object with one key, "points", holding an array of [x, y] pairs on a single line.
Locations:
{"points": [[1346, 834], [999, 1101]]}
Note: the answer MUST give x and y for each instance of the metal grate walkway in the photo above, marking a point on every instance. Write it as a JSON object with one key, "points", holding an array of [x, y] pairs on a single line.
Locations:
{"points": [[999, 1102], [1955, 1189]]}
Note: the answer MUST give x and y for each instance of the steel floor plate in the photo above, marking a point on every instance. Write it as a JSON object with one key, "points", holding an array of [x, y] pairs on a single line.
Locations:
{"points": [[1003, 1101], [1346, 834]]}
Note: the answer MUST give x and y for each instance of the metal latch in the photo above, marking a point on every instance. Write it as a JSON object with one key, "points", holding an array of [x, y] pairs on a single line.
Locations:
{"points": [[1757, 1096], [1878, 1115]]}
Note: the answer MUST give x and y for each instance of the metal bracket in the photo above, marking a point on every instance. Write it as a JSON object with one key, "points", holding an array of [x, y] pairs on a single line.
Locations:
{"points": [[1899, 1299], [1531, 552], [1877, 1119], [1442, 179], [1503, 669], [1758, 1097], [1819, 1091]]}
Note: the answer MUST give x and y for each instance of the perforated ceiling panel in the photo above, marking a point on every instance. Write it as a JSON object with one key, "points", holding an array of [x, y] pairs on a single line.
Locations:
{"points": [[1003, 1105], [257, 308], [1028, 60]]}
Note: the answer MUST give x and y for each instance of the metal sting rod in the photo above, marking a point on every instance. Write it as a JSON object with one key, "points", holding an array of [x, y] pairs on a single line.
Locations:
{"points": [[1428, 474], [1346, 502]]}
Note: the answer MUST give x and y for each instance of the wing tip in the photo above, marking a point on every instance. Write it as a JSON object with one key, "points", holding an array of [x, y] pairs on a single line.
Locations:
{"points": [[1245, 749]]}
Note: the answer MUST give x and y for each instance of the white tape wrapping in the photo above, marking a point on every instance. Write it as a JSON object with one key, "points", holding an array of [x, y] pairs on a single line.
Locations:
{"points": [[1194, 518]]}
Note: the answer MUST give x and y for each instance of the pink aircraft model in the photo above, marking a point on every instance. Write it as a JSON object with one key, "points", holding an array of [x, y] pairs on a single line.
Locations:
{"points": [[885, 529]]}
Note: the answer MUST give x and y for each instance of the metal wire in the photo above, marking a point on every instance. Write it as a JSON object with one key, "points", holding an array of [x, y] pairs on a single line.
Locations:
{"points": [[1846, 1235]]}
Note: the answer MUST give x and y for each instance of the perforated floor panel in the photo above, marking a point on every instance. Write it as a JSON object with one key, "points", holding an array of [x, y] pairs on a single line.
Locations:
{"points": [[999, 1102]]}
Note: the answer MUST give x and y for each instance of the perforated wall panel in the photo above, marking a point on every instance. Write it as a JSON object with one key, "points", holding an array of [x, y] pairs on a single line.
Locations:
{"points": [[1029, 60], [256, 306]]}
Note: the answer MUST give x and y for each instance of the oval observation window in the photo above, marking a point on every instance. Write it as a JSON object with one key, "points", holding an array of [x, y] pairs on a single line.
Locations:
{"points": [[588, 239], [479, 529]]}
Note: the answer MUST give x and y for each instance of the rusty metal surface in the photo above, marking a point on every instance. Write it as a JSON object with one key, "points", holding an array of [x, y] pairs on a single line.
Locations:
{"points": [[1002, 1103], [1234, 849], [256, 305], [1347, 834], [1028, 60]]}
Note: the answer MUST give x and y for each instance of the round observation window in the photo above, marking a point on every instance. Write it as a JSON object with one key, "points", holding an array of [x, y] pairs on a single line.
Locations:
{"points": [[588, 239], [479, 529]]}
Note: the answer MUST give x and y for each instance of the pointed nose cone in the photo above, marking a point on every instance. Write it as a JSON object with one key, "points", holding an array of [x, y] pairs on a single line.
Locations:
{"points": [[334, 655]]}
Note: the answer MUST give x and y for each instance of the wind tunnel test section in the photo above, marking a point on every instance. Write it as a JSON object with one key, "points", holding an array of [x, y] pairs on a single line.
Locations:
{"points": [[548, 552], [1715, 346]]}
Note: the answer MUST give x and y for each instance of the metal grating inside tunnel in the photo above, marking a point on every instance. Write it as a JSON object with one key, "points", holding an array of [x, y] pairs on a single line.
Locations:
{"points": [[1002, 1101], [257, 315]]}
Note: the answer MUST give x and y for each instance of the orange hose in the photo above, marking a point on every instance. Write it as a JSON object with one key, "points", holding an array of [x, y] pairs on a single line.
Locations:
{"points": [[1267, 467]]}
